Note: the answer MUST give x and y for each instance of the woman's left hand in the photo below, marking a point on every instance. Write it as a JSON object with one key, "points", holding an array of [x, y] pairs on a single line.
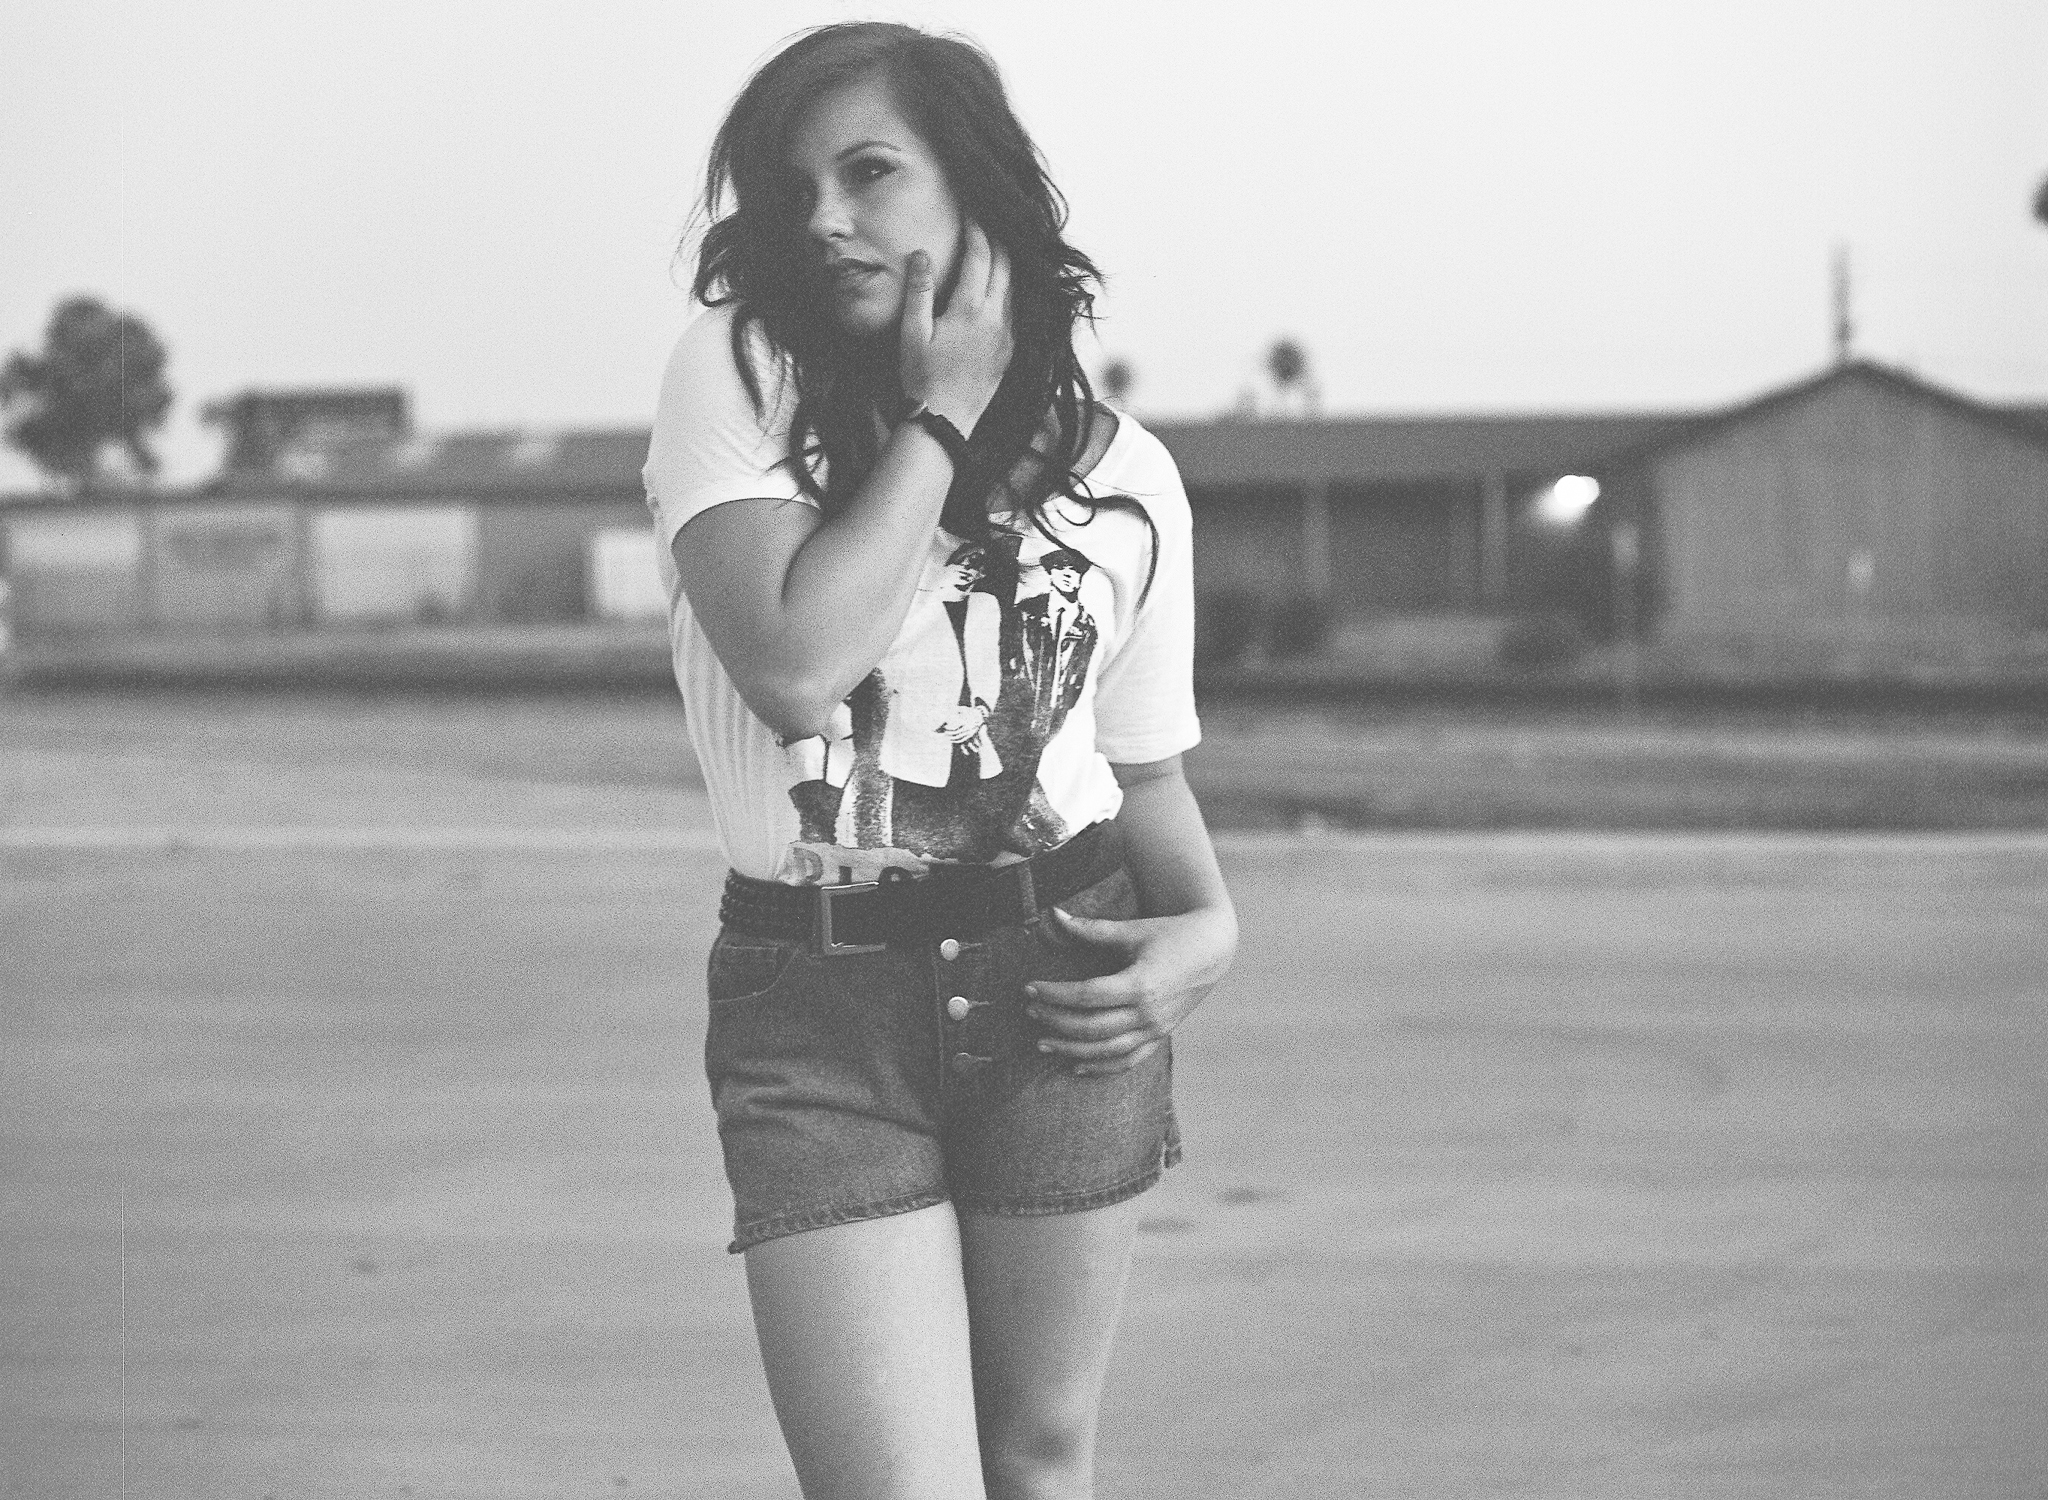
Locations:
{"points": [[1111, 1023]]}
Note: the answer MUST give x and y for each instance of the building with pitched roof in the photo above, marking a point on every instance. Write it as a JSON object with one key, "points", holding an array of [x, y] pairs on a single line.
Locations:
{"points": [[1860, 499]]}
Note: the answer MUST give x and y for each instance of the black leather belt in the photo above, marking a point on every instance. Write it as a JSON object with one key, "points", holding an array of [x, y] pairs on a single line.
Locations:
{"points": [[949, 901]]}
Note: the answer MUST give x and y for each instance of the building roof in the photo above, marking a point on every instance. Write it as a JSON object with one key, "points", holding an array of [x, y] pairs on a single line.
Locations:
{"points": [[262, 424], [2031, 412], [2028, 423], [1234, 451], [604, 463], [1407, 449], [463, 465]]}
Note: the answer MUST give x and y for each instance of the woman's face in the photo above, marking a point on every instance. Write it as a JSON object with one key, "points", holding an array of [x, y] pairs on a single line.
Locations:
{"points": [[876, 193]]}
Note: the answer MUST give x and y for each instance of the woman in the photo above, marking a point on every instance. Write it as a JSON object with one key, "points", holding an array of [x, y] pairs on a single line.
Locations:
{"points": [[944, 987]]}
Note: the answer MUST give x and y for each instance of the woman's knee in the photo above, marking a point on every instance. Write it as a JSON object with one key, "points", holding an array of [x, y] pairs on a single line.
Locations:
{"points": [[1046, 1456]]}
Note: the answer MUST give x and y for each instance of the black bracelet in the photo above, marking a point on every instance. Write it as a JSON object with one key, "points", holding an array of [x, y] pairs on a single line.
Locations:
{"points": [[949, 436]]}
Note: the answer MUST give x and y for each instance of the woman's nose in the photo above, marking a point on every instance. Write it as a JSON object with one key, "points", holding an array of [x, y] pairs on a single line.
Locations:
{"points": [[828, 219]]}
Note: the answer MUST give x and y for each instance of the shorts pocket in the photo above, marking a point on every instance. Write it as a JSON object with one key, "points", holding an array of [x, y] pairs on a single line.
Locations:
{"points": [[742, 968], [1114, 896], [1060, 956]]}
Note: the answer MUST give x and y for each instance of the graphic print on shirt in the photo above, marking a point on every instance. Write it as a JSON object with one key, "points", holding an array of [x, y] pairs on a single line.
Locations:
{"points": [[936, 753]]}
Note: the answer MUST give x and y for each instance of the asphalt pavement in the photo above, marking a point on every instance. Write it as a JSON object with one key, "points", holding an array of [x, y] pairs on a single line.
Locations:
{"points": [[353, 1143]]}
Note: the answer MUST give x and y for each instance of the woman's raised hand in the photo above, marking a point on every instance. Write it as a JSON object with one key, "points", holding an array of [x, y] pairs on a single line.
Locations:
{"points": [[953, 361]]}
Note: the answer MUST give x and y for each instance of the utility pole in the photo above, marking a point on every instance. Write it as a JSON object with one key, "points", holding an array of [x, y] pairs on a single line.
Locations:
{"points": [[1625, 554], [1845, 325]]}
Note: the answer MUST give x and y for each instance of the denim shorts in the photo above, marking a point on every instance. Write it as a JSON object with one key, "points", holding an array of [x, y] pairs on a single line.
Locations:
{"points": [[863, 1084]]}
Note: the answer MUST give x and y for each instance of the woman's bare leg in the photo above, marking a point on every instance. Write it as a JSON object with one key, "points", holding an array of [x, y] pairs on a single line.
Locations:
{"points": [[1043, 1295], [864, 1334]]}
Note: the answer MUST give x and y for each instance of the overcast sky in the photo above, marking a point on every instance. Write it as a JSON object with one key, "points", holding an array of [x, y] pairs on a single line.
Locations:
{"points": [[1453, 205]]}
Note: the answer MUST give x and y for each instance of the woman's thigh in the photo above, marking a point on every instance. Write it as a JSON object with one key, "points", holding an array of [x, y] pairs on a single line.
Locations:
{"points": [[1043, 1296], [864, 1334]]}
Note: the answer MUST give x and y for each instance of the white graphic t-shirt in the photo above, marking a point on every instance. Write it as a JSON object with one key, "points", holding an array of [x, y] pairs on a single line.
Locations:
{"points": [[1027, 664]]}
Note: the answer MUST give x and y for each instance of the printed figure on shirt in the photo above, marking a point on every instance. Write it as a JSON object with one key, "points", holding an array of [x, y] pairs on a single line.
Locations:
{"points": [[942, 768], [1056, 641], [944, 673], [937, 750]]}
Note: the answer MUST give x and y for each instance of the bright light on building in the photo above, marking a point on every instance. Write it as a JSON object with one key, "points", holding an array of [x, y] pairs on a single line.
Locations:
{"points": [[1566, 502]]}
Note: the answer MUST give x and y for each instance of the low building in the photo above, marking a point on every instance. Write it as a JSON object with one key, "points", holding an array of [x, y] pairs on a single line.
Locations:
{"points": [[262, 426], [1863, 498], [1377, 515], [486, 526]]}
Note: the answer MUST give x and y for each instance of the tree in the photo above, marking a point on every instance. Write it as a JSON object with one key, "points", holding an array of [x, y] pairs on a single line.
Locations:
{"points": [[98, 380], [1287, 364], [1118, 377], [2041, 201]]}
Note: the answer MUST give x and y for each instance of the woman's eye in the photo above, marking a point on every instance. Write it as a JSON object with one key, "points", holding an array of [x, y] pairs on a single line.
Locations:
{"points": [[871, 169]]}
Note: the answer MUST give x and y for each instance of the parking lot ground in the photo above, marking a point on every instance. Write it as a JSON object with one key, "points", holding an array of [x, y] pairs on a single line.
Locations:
{"points": [[1535, 1164], [332, 757]]}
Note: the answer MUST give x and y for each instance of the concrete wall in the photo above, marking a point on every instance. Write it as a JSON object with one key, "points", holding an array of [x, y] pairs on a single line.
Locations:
{"points": [[255, 564], [375, 563], [1248, 538], [533, 557], [1368, 549], [625, 578], [225, 566], [1852, 505], [75, 570], [1399, 548]]}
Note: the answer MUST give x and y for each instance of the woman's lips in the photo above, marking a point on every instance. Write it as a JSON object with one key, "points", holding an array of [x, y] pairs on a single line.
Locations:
{"points": [[851, 275]]}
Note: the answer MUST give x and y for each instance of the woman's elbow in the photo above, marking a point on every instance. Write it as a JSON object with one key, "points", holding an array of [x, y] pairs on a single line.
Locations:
{"points": [[795, 708]]}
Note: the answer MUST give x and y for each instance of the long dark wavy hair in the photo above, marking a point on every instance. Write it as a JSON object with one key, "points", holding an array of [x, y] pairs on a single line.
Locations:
{"points": [[757, 256]]}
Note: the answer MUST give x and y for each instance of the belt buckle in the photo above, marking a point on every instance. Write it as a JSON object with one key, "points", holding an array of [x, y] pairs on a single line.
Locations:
{"points": [[827, 947]]}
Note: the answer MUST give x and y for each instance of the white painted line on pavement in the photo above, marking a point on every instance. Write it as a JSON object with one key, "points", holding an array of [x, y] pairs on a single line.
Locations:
{"points": [[512, 839], [314, 837], [1627, 840]]}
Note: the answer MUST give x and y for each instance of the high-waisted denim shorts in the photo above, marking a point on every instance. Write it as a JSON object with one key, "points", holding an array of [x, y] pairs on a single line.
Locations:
{"points": [[863, 1084]]}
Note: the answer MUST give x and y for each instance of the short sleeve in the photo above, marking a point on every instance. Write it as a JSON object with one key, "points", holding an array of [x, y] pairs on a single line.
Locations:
{"points": [[710, 444], [1145, 699]]}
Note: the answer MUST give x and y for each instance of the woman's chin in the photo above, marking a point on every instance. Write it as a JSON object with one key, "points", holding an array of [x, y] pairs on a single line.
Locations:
{"points": [[864, 318]]}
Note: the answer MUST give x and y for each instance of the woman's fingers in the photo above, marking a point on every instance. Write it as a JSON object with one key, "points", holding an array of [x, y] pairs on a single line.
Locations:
{"points": [[1119, 1064], [982, 288], [1112, 1055], [970, 286], [1087, 1025], [1099, 993], [998, 293], [954, 358], [917, 302], [1120, 1045], [1094, 1021], [1119, 934]]}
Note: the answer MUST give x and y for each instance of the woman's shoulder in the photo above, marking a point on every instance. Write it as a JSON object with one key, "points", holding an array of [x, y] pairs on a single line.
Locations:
{"points": [[1137, 463], [707, 342], [713, 439], [704, 367]]}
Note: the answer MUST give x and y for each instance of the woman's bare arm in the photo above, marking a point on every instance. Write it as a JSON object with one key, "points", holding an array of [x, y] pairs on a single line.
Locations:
{"points": [[1173, 955], [799, 607]]}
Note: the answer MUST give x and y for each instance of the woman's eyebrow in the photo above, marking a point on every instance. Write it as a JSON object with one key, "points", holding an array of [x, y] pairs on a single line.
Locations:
{"points": [[865, 146]]}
